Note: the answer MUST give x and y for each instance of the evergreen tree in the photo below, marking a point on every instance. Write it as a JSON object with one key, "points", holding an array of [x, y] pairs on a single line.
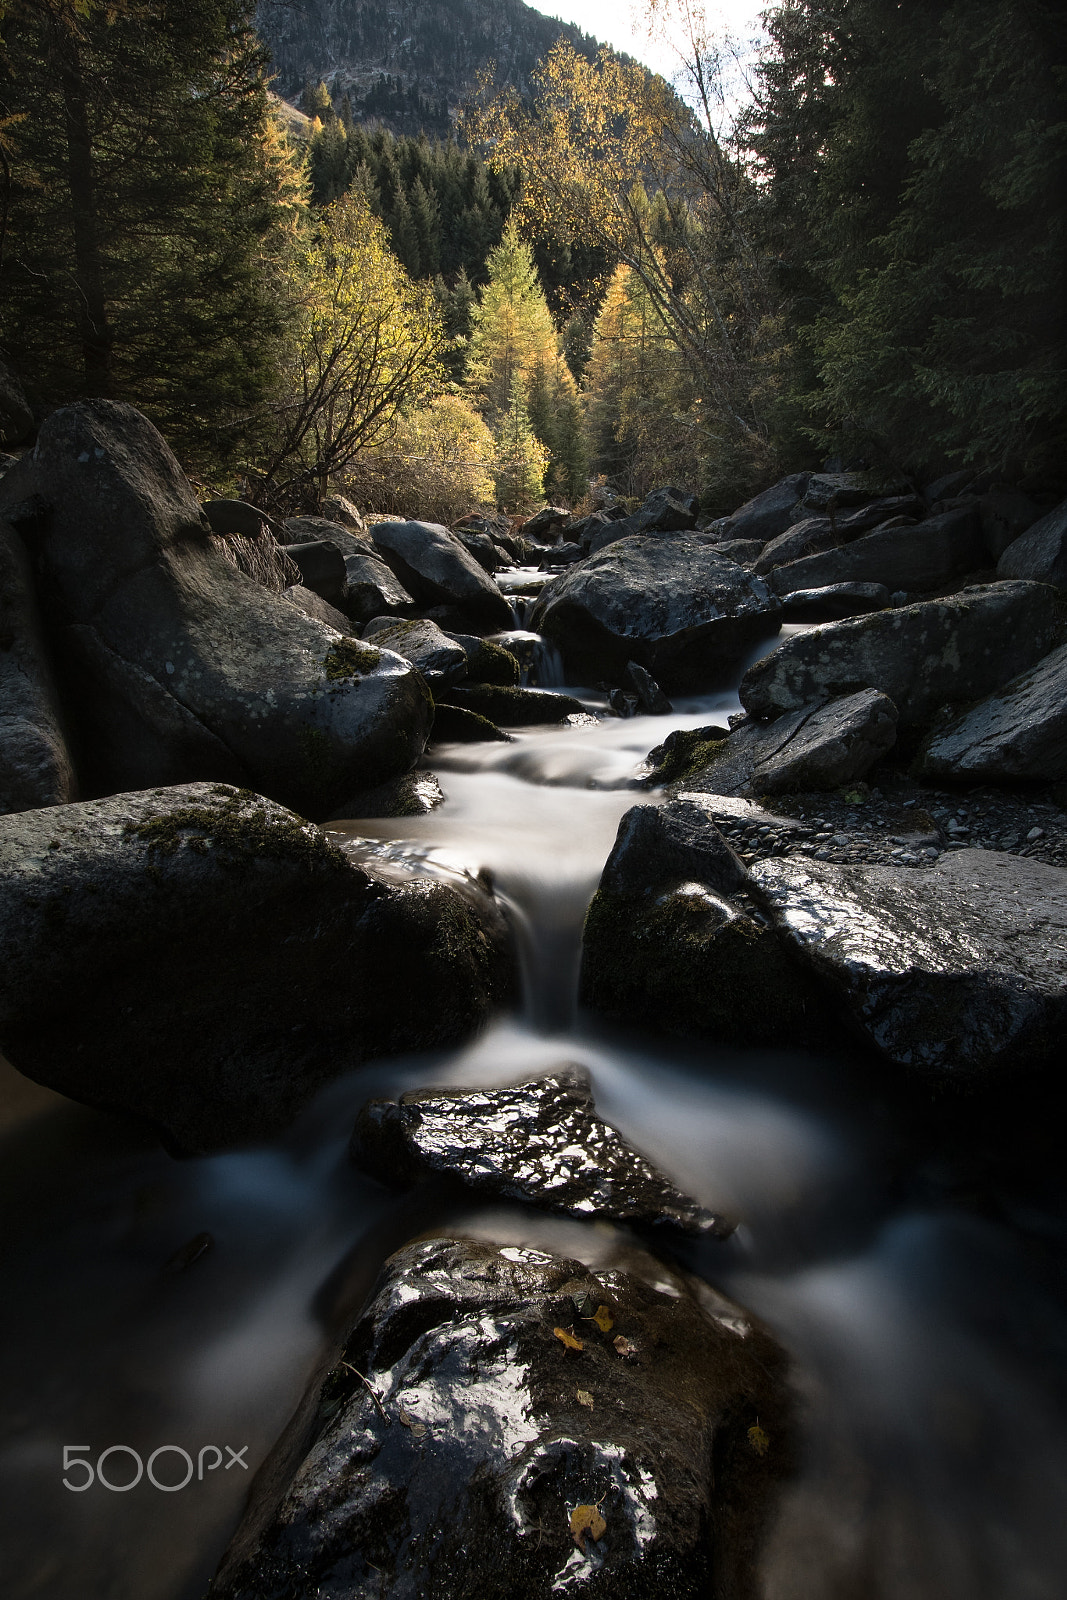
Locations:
{"points": [[521, 457], [512, 327]]}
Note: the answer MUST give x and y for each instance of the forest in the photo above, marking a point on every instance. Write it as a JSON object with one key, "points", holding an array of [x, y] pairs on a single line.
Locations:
{"points": [[598, 278]]}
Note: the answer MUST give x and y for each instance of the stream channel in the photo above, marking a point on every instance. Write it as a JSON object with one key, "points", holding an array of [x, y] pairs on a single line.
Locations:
{"points": [[927, 1335]]}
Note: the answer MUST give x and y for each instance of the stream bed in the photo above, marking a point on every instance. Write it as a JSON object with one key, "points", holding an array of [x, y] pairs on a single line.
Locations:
{"points": [[156, 1303]]}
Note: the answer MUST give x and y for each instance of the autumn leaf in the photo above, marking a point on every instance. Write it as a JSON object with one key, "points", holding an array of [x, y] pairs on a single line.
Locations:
{"points": [[568, 1339], [585, 1398], [759, 1440], [418, 1429], [623, 1346], [586, 1520]]}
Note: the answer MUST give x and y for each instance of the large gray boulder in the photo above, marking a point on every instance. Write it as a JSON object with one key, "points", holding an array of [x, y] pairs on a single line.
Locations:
{"points": [[322, 569], [373, 589], [433, 565], [671, 603], [818, 747], [662, 511], [835, 602], [1019, 732], [205, 959], [674, 939], [506, 1423], [35, 763], [438, 658], [179, 667], [540, 1142], [909, 559], [922, 656], [770, 512], [1040, 552], [956, 971], [814, 534]]}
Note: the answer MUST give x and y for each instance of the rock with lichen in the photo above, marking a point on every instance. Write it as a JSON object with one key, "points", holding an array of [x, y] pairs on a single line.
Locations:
{"points": [[204, 959]]}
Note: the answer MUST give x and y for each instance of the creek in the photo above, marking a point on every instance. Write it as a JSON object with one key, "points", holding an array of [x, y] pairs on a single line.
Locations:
{"points": [[927, 1335]]}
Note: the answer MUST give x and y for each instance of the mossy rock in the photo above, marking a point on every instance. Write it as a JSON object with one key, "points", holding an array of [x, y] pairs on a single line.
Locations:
{"points": [[685, 753], [454, 725], [513, 707]]}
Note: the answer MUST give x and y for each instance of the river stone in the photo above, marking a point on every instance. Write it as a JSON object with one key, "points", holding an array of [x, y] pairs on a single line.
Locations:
{"points": [[956, 971], [372, 589], [544, 526], [237, 517], [433, 565], [540, 1142], [203, 958], [662, 511], [440, 660], [815, 534], [416, 794], [673, 938], [455, 1444], [178, 666], [1040, 552], [314, 606], [922, 656], [36, 768], [835, 602], [1020, 732], [672, 603], [453, 725], [321, 567], [516, 708], [487, 662], [310, 530], [768, 514], [909, 559], [339, 510]]}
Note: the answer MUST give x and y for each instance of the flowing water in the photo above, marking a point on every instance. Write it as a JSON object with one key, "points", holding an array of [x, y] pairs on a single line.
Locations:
{"points": [[927, 1337]]}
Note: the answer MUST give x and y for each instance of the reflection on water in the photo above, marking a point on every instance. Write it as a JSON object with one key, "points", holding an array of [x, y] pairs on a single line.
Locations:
{"points": [[928, 1342]]}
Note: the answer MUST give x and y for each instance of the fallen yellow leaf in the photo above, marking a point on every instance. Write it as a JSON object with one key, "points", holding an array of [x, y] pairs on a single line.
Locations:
{"points": [[568, 1339], [603, 1319], [759, 1441], [586, 1520], [585, 1398]]}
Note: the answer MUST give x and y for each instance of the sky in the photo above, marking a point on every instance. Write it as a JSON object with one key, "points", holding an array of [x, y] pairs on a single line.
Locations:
{"points": [[622, 23]]}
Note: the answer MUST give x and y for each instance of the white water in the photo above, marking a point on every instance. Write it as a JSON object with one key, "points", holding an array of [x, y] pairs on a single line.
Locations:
{"points": [[925, 1339]]}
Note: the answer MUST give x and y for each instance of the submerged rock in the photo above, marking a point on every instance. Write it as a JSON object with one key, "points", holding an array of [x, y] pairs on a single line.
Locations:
{"points": [[202, 958], [36, 768], [506, 1423], [956, 971], [921, 655], [1019, 732], [540, 1142], [669, 602]]}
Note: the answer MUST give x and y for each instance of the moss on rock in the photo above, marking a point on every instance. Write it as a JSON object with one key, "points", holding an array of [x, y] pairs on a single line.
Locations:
{"points": [[685, 753], [239, 829], [348, 659]]}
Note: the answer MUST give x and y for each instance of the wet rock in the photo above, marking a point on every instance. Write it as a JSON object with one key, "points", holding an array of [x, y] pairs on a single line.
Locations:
{"points": [[669, 602], [16, 418], [36, 768], [1041, 552], [372, 589], [314, 606], [922, 656], [488, 662], [673, 938], [414, 795], [456, 1446], [1020, 732], [540, 1142], [322, 569], [650, 697], [489, 556], [768, 514], [835, 602], [454, 725], [174, 954], [684, 753], [912, 559], [956, 971], [432, 565], [516, 708], [440, 660], [176, 666]]}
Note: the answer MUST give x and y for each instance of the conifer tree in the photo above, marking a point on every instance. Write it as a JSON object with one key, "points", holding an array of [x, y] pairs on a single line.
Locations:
{"points": [[521, 457]]}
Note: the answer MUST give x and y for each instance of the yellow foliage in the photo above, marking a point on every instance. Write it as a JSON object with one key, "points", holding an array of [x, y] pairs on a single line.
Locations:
{"points": [[437, 465], [568, 1339], [586, 1520]]}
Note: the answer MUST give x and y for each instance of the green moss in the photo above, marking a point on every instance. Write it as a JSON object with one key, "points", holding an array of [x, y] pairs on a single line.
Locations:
{"points": [[348, 659], [685, 753], [237, 832], [491, 663]]}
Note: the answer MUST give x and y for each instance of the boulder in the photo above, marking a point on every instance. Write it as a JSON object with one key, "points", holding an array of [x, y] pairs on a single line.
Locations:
{"points": [[310, 530], [819, 747], [662, 511], [503, 1422], [177, 666], [322, 569], [440, 660], [36, 768], [488, 662], [201, 957], [1041, 552], [454, 725], [837, 489], [16, 418], [674, 605], [314, 606], [517, 708], [955, 971], [769, 513], [813, 535], [336, 509], [372, 589], [540, 1142], [432, 565], [922, 656], [911, 559], [489, 556], [835, 602], [544, 526], [743, 551], [673, 938], [237, 517], [414, 795], [650, 697], [1018, 733]]}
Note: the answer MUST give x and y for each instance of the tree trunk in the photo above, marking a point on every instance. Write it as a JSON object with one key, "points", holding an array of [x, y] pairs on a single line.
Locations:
{"points": [[97, 336]]}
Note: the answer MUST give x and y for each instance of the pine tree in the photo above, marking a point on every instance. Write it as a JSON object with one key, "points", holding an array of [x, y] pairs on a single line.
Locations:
{"points": [[521, 457], [512, 328]]}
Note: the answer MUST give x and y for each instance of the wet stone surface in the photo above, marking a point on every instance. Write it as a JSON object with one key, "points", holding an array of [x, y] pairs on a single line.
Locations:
{"points": [[540, 1142], [505, 1423]]}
